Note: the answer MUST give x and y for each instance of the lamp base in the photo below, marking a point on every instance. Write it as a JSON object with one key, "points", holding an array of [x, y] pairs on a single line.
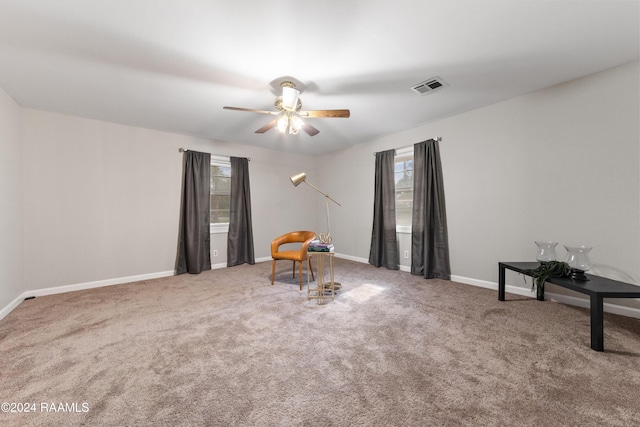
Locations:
{"points": [[578, 275], [336, 287]]}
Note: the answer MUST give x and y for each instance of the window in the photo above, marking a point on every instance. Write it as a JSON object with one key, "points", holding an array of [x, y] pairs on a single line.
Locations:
{"points": [[404, 188], [220, 193]]}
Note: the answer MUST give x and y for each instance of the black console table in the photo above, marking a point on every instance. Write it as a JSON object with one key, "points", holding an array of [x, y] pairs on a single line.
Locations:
{"points": [[596, 287]]}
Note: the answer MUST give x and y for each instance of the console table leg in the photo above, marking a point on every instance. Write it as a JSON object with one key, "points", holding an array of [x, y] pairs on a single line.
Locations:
{"points": [[597, 323], [500, 282]]}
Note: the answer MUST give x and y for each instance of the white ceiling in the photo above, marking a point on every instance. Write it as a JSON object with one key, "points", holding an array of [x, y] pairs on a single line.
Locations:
{"points": [[173, 65]]}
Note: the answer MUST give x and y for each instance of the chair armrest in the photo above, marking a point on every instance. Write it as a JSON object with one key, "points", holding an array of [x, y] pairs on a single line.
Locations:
{"points": [[293, 237], [275, 244]]}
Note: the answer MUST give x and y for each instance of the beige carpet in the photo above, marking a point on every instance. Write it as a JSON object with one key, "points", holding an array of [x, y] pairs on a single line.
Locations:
{"points": [[225, 348]]}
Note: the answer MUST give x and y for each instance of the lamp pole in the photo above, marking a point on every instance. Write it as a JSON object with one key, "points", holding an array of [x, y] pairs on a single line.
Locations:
{"points": [[324, 238]]}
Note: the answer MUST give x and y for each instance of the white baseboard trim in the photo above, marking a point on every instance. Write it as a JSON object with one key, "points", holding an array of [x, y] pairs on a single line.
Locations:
{"points": [[224, 264], [81, 286], [405, 268], [352, 258], [526, 292], [98, 284], [564, 299], [484, 284], [584, 302], [13, 304]]}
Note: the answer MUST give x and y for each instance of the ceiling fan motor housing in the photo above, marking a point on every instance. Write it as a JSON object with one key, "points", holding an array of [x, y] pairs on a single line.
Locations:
{"points": [[281, 107]]}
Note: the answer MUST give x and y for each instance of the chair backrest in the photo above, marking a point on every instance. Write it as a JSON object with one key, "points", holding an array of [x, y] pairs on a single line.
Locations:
{"points": [[303, 237]]}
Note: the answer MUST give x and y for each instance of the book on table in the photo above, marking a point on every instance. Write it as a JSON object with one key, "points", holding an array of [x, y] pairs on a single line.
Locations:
{"points": [[317, 246]]}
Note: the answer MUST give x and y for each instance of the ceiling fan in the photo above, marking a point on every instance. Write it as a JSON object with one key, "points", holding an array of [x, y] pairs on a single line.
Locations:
{"points": [[288, 107]]}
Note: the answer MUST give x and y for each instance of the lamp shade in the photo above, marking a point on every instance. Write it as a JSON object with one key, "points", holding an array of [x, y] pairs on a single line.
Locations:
{"points": [[298, 178]]}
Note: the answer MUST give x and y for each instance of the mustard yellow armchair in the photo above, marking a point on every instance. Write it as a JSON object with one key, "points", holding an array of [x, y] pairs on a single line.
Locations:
{"points": [[294, 255]]}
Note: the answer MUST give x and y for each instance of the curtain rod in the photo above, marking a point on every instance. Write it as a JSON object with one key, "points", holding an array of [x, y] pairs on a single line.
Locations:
{"points": [[437, 138], [184, 150]]}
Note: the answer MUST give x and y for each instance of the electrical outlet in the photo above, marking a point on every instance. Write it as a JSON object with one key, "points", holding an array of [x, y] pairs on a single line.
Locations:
{"points": [[406, 254], [215, 252]]}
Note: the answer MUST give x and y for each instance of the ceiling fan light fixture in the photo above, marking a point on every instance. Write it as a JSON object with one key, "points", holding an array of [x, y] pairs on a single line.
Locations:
{"points": [[289, 123], [290, 98], [282, 124], [296, 122]]}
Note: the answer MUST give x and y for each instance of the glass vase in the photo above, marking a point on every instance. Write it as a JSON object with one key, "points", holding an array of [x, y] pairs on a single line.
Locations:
{"points": [[546, 251], [578, 260]]}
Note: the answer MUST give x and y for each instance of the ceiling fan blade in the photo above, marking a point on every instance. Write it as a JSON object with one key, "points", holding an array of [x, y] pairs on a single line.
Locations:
{"points": [[251, 110], [325, 113], [310, 129], [268, 126]]}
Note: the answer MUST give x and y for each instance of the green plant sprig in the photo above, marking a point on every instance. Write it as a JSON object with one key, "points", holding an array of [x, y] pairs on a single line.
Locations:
{"points": [[546, 270]]}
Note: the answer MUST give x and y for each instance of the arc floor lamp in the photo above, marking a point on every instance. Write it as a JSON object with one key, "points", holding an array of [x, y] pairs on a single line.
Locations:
{"points": [[302, 177]]}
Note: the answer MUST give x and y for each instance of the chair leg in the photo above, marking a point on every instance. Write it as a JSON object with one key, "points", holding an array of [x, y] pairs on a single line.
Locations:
{"points": [[294, 269], [273, 270], [301, 275], [311, 270]]}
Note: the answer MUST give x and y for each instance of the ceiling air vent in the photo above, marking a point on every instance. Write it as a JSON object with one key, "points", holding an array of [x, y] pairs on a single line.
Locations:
{"points": [[429, 86]]}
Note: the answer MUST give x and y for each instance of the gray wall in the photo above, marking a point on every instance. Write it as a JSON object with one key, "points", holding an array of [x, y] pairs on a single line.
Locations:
{"points": [[557, 164], [11, 218], [100, 201]]}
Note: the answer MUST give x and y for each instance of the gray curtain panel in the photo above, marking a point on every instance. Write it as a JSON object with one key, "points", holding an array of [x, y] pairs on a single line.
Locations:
{"points": [[194, 254], [429, 240], [384, 242], [240, 237]]}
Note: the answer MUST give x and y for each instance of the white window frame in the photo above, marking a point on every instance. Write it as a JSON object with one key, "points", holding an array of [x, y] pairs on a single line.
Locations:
{"points": [[222, 227], [402, 152]]}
